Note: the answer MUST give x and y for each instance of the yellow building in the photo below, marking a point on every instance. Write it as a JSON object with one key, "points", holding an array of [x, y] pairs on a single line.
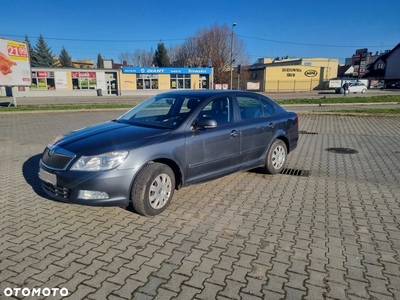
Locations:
{"points": [[124, 81], [79, 64], [292, 74]]}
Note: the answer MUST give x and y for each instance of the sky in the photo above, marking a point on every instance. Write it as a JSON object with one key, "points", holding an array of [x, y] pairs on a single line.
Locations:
{"points": [[294, 28]]}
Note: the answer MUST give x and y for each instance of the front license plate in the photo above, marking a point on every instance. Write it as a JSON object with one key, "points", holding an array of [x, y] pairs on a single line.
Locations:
{"points": [[48, 177]]}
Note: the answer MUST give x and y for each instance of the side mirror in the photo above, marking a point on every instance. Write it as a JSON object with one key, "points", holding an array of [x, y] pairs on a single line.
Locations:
{"points": [[206, 123]]}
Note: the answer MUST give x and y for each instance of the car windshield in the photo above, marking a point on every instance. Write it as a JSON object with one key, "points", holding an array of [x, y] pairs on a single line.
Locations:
{"points": [[161, 111]]}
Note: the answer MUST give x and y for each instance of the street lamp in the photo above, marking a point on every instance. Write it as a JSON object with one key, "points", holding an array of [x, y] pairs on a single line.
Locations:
{"points": [[231, 64]]}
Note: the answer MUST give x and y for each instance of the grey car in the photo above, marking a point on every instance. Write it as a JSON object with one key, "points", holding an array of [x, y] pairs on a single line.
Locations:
{"points": [[169, 141]]}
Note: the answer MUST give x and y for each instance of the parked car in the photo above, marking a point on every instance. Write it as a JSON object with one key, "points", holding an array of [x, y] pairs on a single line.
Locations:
{"points": [[354, 87], [169, 141], [378, 85], [393, 85]]}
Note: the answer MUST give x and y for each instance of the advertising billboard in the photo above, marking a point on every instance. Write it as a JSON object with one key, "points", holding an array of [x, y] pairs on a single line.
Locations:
{"points": [[15, 67]]}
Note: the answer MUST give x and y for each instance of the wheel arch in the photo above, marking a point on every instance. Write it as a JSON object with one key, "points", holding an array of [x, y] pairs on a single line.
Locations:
{"points": [[174, 167], [285, 140]]}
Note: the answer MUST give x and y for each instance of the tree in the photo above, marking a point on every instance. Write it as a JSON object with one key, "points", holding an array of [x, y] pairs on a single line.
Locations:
{"points": [[161, 58], [65, 59], [100, 62], [213, 44], [43, 56], [139, 58], [31, 51]]}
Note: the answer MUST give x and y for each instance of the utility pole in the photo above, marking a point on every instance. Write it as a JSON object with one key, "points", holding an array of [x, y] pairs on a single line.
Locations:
{"points": [[231, 64]]}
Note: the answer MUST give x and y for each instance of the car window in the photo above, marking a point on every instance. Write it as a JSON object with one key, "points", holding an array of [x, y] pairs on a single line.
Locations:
{"points": [[268, 109], [219, 109], [250, 108], [162, 112]]}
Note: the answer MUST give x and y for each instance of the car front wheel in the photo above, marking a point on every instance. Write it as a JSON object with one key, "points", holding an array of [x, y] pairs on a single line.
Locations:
{"points": [[276, 159], [153, 189], [364, 91]]}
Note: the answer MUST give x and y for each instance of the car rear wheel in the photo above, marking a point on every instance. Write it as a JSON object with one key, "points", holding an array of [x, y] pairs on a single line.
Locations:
{"points": [[363, 91], [276, 159], [153, 189]]}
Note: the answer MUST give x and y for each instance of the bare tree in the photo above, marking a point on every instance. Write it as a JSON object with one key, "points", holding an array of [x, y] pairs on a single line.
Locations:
{"points": [[139, 58], [126, 56], [212, 44]]}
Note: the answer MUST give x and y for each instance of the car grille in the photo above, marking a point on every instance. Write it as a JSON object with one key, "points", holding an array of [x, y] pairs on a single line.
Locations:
{"points": [[56, 160], [56, 191]]}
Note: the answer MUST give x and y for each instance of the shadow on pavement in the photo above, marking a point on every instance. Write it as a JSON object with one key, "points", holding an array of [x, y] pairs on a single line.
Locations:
{"points": [[30, 170]]}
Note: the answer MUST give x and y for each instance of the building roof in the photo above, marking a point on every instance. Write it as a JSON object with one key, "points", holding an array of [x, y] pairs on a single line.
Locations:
{"points": [[345, 70], [372, 72]]}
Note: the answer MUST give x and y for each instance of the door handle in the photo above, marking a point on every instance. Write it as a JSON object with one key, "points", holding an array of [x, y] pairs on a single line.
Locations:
{"points": [[234, 133], [271, 125]]}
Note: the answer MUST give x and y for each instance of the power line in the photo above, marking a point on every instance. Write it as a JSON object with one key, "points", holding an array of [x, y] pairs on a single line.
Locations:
{"points": [[182, 39], [97, 41], [305, 44]]}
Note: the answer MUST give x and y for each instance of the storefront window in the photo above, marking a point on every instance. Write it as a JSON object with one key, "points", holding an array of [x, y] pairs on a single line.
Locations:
{"points": [[180, 81], [84, 80], [147, 82], [43, 80]]}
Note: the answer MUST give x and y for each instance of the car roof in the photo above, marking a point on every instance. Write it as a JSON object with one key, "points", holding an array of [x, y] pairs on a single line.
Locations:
{"points": [[206, 93]]}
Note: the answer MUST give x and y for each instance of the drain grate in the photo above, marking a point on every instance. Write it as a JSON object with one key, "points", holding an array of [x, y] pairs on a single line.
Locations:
{"points": [[307, 132], [295, 172], [342, 150]]}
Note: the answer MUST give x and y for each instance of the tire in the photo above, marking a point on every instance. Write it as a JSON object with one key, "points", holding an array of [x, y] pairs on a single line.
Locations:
{"points": [[153, 189], [276, 158], [363, 91]]}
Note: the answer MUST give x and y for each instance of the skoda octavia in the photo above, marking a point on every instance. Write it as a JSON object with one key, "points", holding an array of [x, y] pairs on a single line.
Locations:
{"points": [[169, 141]]}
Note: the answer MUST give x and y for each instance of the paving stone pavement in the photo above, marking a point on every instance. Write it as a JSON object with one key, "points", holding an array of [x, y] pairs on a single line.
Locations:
{"points": [[332, 235]]}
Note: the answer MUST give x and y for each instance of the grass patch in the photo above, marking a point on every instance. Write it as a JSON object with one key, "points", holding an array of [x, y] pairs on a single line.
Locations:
{"points": [[341, 99], [67, 106], [368, 111]]}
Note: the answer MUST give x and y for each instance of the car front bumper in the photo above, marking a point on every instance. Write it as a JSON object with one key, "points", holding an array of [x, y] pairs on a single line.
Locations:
{"points": [[65, 186]]}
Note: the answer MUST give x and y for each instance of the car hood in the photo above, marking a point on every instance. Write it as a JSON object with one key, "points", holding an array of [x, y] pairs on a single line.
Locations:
{"points": [[108, 136]]}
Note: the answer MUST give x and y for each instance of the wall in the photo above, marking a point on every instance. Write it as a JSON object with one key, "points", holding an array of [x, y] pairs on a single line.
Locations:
{"points": [[393, 64], [293, 78], [127, 81], [164, 82]]}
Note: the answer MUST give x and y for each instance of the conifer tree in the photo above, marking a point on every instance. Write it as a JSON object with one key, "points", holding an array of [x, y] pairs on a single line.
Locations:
{"points": [[43, 56], [161, 58], [100, 62], [31, 51], [65, 59]]}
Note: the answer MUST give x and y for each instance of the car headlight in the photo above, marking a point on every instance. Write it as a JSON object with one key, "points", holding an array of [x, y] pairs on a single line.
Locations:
{"points": [[101, 162]]}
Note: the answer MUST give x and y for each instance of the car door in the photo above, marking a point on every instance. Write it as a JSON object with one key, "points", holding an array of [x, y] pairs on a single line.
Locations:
{"points": [[257, 126], [213, 152]]}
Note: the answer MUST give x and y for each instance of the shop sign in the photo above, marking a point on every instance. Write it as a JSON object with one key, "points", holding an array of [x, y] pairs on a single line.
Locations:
{"points": [[291, 70], [311, 73], [134, 70], [44, 74], [83, 74]]}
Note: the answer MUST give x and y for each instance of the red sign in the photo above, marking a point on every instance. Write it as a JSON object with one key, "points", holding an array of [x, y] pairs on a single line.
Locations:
{"points": [[83, 74], [17, 51], [42, 74]]}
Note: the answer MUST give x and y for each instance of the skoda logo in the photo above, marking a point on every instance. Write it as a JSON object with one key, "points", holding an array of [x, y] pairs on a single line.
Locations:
{"points": [[310, 73], [51, 153]]}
